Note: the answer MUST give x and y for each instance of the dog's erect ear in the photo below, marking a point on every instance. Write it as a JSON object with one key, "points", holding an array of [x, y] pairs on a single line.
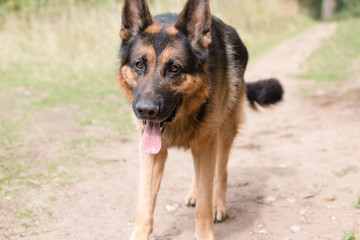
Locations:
{"points": [[135, 18], [195, 21]]}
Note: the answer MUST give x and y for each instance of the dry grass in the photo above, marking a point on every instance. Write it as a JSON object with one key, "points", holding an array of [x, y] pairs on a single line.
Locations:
{"points": [[86, 38]]}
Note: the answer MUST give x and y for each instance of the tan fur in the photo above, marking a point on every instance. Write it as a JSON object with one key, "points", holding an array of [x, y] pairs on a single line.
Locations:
{"points": [[171, 30], [142, 48], [154, 28], [151, 172], [170, 51], [206, 40]]}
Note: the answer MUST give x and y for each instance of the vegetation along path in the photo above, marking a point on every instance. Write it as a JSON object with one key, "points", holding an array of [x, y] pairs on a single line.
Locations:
{"points": [[294, 170]]}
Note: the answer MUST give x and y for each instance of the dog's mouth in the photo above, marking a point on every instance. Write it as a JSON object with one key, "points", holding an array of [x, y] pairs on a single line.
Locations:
{"points": [[151, 139]]}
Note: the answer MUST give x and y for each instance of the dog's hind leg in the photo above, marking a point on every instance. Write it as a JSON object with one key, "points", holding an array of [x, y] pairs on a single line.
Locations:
{"points": [[190, 199], [151, 172], [225, 139], [204, 154]]}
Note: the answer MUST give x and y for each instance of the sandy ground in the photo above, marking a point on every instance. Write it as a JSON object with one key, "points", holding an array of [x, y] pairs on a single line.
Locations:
{"points": [[287, 169]]}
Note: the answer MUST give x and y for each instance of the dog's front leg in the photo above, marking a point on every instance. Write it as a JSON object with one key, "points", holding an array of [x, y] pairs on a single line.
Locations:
{"points": [[204, 161], [151, 172]]}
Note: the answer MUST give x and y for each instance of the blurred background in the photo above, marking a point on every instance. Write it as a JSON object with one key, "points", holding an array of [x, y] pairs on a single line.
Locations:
{"points": [[58, 62]]}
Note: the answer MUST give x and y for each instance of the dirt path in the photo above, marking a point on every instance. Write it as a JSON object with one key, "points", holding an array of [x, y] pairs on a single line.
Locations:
{"points": [[288, 155]]}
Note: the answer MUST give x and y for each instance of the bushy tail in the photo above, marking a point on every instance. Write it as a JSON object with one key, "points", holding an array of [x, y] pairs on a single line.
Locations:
{"points": [[264, 92]]}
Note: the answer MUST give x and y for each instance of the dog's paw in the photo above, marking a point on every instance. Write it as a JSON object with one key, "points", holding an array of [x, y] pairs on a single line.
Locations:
{"points": [[141, 232], [220, 214], [205, 232], [190, 200]]}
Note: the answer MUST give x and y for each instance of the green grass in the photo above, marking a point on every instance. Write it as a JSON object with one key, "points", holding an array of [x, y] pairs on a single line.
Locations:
{"points": [[333, 61], [346, 171], [356, 203], [8, 129], [56, 59], [105, 111], [9, 169], [349, 235]]}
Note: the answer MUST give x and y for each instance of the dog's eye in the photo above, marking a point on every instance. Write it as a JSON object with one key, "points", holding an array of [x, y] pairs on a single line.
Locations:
{"points": [[174, 69], [139, 65]]}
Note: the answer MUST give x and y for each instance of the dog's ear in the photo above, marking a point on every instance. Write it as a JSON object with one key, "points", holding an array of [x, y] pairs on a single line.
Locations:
{"points": [[135, 18], [195, 21]]}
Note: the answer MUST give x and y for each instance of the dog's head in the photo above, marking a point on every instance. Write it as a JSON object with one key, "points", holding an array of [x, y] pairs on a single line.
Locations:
{"points": [[163, 60]]}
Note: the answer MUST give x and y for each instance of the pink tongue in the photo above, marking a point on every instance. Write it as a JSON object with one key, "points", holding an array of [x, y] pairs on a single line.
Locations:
{"points": [[151, 139]]}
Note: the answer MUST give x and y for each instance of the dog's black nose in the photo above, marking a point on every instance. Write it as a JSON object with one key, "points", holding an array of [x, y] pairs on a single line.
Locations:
{"points": [[147, 108]]}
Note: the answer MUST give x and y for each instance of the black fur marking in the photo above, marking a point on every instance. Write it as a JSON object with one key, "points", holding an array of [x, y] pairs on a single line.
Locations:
{"points": [[264, 92], [240, 54]]}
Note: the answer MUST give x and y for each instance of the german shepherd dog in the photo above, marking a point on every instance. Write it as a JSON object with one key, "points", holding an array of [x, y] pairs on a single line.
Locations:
{"points": [[184, 77]]}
